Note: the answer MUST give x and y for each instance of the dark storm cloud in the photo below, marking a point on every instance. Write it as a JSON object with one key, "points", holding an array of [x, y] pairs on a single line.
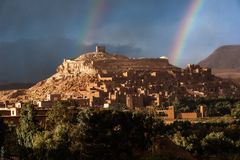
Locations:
{"points": [[32, 18], [30, 47], [34, 60]]}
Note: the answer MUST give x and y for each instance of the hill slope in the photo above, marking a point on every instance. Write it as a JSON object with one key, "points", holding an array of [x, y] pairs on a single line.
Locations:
{"points": [[225, 57], [224, 61], [103, 77]]}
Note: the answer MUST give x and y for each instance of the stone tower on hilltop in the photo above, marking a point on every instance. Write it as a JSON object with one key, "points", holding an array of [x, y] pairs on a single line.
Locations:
{"points": [[100, 49]]}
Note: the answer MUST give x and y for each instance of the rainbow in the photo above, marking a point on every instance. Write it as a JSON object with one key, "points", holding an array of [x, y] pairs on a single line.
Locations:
{"points": [[185, 28], [95, 12]]}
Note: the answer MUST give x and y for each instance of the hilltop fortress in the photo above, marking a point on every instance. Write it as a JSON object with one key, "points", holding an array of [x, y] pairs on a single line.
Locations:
{"points": [[100, 79], [103, 62], [103, 79]]}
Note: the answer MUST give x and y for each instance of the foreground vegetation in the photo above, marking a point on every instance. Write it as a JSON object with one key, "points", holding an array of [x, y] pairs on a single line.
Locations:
{"points": [[111, 134], [221, 106]]}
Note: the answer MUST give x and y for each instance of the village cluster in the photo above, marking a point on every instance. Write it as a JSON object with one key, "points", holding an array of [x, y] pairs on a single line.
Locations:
{"points": [[132, 84]]}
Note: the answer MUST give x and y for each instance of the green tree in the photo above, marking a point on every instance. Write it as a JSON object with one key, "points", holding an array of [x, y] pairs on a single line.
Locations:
{"points": [[11, 146], [190, 143], [220, 108], [60, 114], [216, 143], [87, 134], [109, 134], [101, 132], [54, 142], [26, 130], [235, 111]]}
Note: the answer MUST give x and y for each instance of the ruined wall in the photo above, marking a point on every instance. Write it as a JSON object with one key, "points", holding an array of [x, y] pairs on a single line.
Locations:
{"points": [[189, 115], [170, 112], [153, 64]]}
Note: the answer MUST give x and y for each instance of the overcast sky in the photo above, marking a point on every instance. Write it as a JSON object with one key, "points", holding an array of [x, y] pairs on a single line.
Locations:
{"points": [[35, 35]]}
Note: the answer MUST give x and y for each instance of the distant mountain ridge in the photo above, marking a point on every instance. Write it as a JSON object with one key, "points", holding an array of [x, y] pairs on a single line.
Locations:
{"points": [[225, 62], [224, 57]]}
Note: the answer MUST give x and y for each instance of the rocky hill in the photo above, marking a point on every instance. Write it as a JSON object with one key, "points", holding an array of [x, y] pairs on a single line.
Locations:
{"points": [[101, 76], [224, 61], [74, 76]]}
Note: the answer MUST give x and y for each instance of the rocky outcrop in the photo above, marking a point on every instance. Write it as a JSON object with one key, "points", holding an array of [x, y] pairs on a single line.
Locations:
{"points": [[74, 75], [96, 62]]}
